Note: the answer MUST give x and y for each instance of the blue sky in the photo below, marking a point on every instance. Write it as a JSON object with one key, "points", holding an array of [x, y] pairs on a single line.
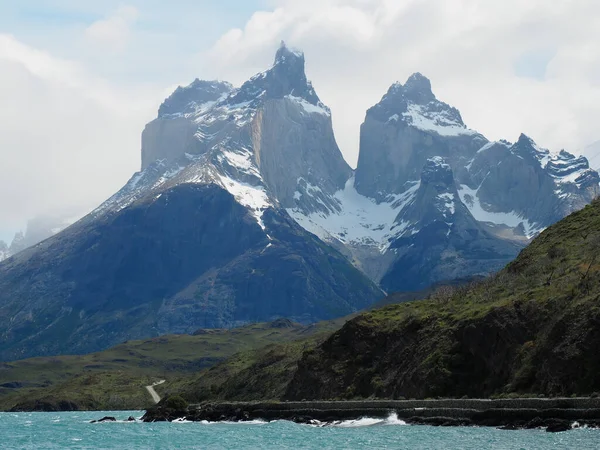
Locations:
{"points": [[179, 27], [79, 79]]}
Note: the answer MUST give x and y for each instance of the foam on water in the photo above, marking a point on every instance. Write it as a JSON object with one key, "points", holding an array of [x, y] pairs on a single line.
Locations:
{"points": [[32, 431], [392, 419]]}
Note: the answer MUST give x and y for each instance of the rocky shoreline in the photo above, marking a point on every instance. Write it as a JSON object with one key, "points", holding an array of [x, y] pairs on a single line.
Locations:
{"points": [[557, 414]]}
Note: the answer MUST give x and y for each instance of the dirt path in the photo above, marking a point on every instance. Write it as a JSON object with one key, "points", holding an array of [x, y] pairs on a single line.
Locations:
{"points": [[152, 392]]}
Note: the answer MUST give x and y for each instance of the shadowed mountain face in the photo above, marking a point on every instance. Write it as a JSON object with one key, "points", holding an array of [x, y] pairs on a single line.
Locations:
{"points": [[432, 200], [533, 328], [192, 258], [245, 210], [199, 237], [442, 240]]}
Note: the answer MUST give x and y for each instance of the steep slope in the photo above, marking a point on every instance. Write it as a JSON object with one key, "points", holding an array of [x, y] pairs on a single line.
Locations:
{"points": [[438, 238], [199, 237], [525, 184], [502, 194], [192, 258], [533, 328]]}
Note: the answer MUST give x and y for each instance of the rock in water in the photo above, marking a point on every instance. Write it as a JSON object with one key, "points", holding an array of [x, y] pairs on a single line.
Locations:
{"points": [[105, 419]]}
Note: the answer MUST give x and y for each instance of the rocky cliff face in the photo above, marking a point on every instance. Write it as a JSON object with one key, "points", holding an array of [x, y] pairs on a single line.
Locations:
{"points": [[173, 133], [500, 194], [408, 126], [439, 239], [531, 183], [243, 196], [198, 238]]}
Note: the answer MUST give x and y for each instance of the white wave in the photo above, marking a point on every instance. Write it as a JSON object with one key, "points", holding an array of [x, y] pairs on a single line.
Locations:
{"points": [[362, 422], [182, 420], [225, 422], [392, 419]]}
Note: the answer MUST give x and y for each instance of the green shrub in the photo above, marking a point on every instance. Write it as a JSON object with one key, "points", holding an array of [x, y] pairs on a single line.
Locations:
{"points": [[176, 402]]}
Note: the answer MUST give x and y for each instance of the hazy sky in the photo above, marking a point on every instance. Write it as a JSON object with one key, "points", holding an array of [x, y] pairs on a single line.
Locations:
{"points": [[79, 79]]}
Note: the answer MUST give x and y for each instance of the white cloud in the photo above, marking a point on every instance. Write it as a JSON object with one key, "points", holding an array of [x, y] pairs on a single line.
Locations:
{"points": [[469, 49], [113, 32], [70, 136], [67, 139]]}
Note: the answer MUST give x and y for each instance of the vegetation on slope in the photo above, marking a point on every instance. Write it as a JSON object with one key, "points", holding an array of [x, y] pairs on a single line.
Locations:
{"points": [[115, 378], [531, 329]]}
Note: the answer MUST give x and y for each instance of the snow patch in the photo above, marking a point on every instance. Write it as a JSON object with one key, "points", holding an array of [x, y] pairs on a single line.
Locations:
{"points": [[436, 121], [360, 221], [309, 108], [254, 198], [511, 219], [449, 200], [492, 144]]}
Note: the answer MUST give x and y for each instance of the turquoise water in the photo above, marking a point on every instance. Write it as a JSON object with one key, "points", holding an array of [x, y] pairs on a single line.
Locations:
{"points": [[73, 430]]}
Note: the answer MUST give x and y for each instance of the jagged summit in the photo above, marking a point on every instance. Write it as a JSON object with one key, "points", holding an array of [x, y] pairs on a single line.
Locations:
{"points": [[271, 139], [286, 77], [414, 104], [408, 126], [288, 55], [199, 93], [418, 89], [524, 139]]}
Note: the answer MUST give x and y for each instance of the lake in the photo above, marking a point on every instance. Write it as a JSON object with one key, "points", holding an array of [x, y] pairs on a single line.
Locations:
{"points": [[73, 430]]}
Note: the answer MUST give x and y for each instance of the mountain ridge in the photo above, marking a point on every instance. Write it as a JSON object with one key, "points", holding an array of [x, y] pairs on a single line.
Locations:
{"points": [[246, 210]]}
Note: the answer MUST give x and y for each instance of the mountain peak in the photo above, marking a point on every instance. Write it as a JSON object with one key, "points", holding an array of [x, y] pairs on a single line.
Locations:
{"points": [[418, 89], [287, 54], [286, 77], [186, 99], [524, 139]]}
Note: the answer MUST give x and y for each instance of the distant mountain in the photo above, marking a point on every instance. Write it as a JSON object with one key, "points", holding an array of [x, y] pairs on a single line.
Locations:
{"points": [[490, 199], [38, 229], [199, 238], [4, 251], [244, 210]]}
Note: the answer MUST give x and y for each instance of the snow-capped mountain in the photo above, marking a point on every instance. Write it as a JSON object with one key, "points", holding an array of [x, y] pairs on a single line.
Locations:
{"points": [[267, 143], [507, 192], [200, 237], [245, 210], [525, 184]]}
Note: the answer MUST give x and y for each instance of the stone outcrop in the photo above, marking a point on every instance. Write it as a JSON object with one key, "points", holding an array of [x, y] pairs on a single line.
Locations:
{"points": [[555, 415]]}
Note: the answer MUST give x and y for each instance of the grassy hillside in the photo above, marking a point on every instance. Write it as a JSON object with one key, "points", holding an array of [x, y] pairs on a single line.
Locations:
{"points": [[115, 378], [532, 329]]}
